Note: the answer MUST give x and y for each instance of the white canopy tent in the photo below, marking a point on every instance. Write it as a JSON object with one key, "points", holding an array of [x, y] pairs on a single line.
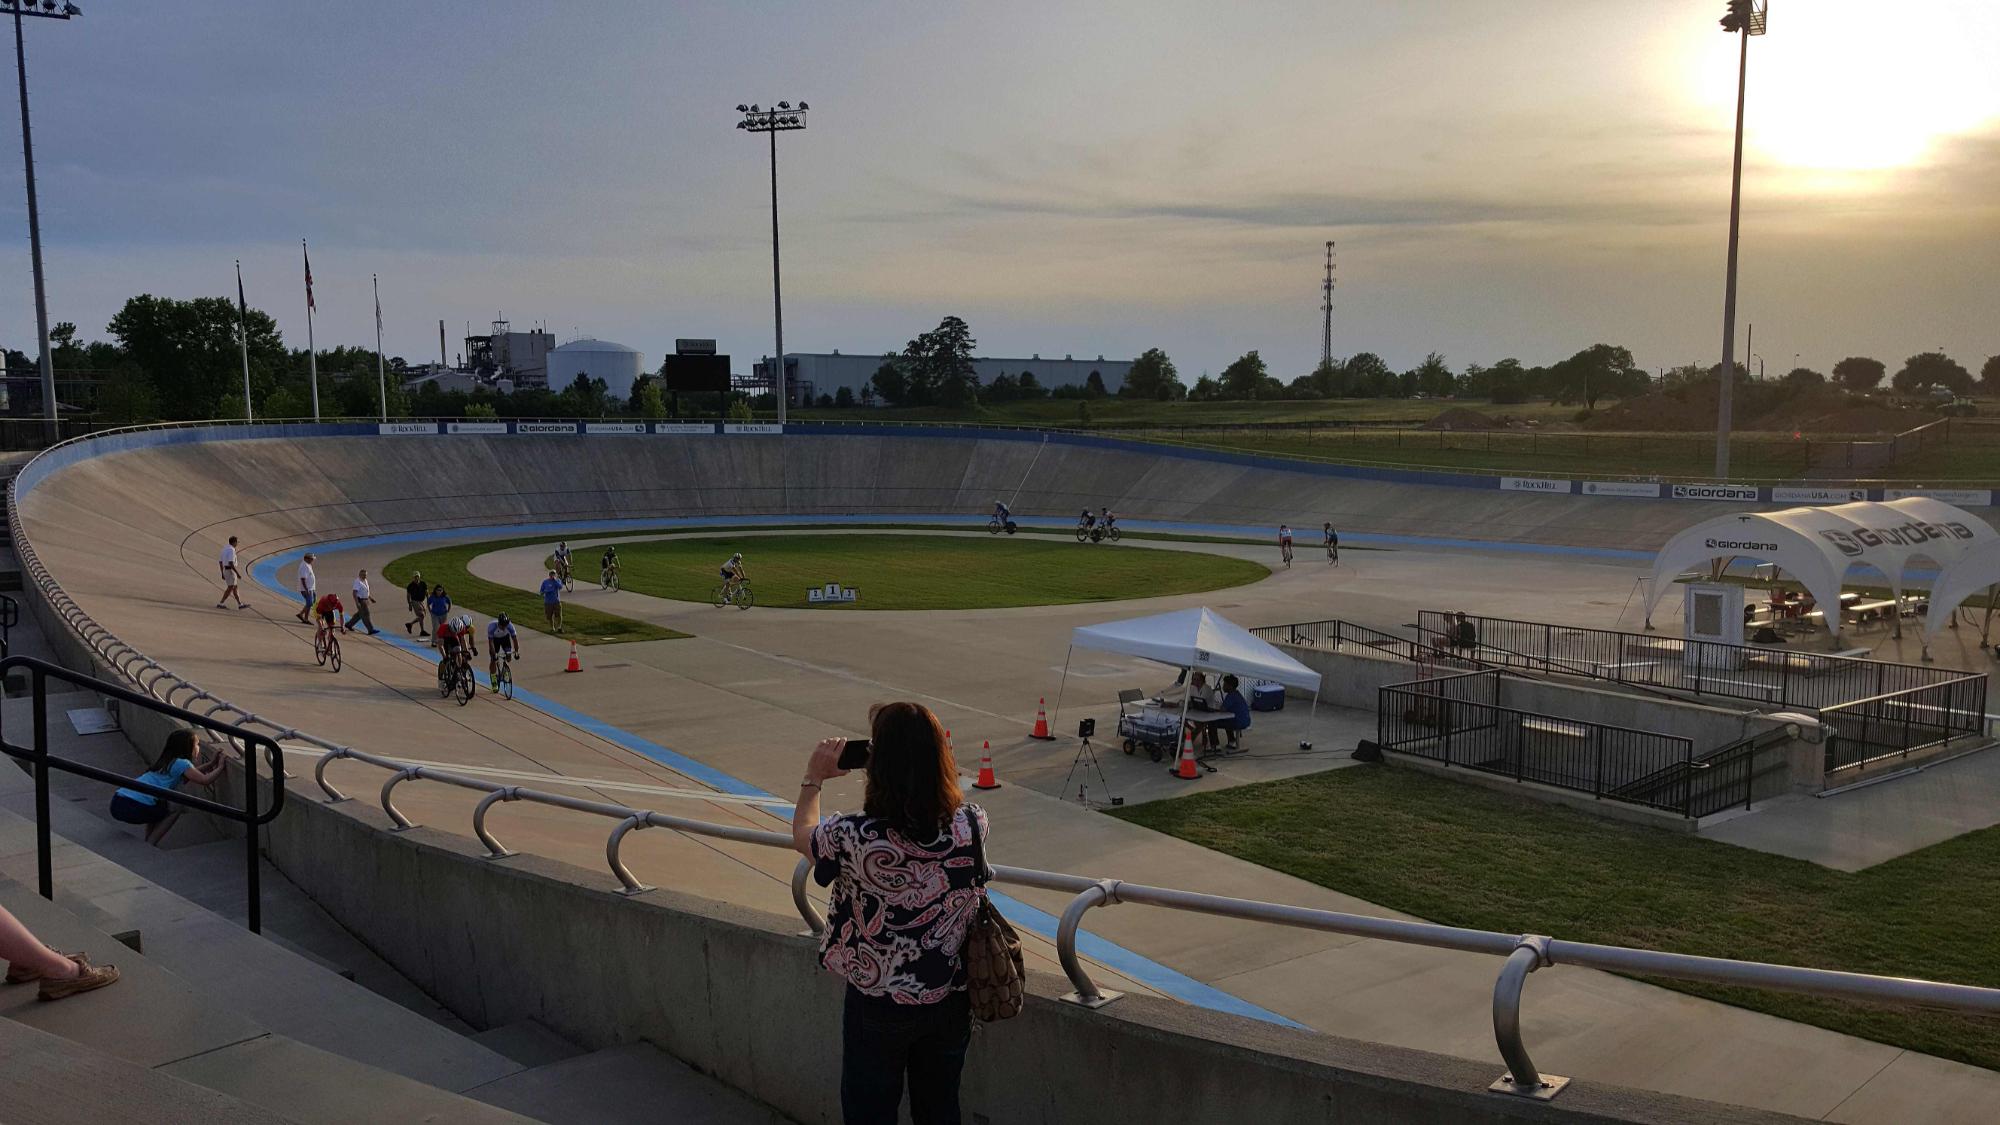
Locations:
{"points": [[1820, 545], [1973, 571], [1197, 640]]}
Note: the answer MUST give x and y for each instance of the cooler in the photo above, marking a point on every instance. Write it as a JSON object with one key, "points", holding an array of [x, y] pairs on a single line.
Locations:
{"points": [[1267, 697]]}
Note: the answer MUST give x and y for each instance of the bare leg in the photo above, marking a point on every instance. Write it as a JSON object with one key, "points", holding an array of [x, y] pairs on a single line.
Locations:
{"points": [[158, 832], [19, 947]]}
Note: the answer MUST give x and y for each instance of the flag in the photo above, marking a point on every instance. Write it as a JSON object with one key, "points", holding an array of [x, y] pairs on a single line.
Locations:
{"points": [[242, 306], [378, 312], [310, 307]]}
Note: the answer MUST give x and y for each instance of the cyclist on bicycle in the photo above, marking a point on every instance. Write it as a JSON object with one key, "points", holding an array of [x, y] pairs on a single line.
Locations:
{"points": [[608, 567], [1332, 539], [1285, 542], [456, 641], [733, 575], [327, 611], [1086, 521], [1105, 517], [1001, 512], [562, 560], [500, 637]]}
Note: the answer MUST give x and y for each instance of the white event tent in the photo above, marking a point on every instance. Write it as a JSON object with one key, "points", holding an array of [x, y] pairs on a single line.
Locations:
{"points": [[1973, 571], [1820, 545], [1198, 640]]}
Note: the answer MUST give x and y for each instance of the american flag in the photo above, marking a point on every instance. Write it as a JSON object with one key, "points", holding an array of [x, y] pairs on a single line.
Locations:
{"points": [[242, 306], [310, 307]]}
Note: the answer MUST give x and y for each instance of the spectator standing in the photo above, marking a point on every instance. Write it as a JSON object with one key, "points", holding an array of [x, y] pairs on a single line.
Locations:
{"points": [[552, 601], [362, 604], [229, 576], [62, 974], [308, 586], [415, 593], [905, 891], [439, 605]]}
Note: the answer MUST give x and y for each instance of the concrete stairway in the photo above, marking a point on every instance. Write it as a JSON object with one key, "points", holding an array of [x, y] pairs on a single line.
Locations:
{"points": [[281, 1027]]}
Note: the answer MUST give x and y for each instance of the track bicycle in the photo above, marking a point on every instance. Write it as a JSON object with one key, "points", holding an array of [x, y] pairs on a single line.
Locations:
{"points": [[503, 674], [326, 646], [734, 592]]}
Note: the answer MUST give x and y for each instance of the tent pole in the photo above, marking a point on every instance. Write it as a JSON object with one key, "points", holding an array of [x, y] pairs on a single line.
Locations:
{"points": [[1187, 696], [1059, 688]]}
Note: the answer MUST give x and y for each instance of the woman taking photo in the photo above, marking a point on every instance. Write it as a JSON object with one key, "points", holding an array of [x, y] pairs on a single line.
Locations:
{"points": [[905, 890]]}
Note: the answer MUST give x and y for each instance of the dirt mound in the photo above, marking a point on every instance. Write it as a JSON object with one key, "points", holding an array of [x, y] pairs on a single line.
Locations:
{"points": [[1464, 418], [1758, 406], [1689, 409]]}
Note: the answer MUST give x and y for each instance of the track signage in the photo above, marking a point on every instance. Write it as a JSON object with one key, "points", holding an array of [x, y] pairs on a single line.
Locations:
{"points": [[1534, 484], [1737, 492], [833, 593], [475, 427], [1785, 494], [1968, 497], [545, 427], [1635, 488], [614, 427], [752, 428], [406, 427], [683, 428]]}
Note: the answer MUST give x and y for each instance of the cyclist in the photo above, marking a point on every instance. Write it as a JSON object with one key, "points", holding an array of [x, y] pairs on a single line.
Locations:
{"points": [[1332, 542], [1086, 521], [733, 576], [327, 613], [1105, 517], [1285, 542], [500, 636], [562, 560], [1001, 512], [455, 640], [608, 567]]}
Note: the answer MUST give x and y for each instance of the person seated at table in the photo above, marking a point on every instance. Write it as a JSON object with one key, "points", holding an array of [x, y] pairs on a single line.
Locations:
{"points": [[1237, 721], [1195, 690], [1464, 634]]}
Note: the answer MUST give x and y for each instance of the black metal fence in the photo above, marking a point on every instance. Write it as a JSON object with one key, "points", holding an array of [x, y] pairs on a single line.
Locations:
{"points": [[1778, 677], [1894, 724], [1335, 635], [1456, 721]]}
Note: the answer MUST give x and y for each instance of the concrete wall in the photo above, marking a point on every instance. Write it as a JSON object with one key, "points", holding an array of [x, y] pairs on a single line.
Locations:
{"points": [[739, 994]]}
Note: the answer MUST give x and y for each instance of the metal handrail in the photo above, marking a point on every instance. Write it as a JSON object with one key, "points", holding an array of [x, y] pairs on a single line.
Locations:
{"points": [[1087, 893], [37, 755]]}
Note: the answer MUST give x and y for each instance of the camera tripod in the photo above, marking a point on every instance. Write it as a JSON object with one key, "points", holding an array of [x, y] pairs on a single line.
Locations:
{"points": [[1086, 760]]}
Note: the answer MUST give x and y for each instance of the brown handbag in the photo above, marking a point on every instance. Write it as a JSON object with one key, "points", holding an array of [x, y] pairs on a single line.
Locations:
{"points": [[996, 976]]}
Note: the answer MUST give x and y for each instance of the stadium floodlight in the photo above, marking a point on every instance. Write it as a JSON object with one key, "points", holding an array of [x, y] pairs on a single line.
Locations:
{"points": [[782, 118], [48, 10], [1742, 18]]}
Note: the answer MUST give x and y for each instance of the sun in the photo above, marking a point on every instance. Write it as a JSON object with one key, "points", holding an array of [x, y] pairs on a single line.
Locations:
{"points": [[1862, 86]]}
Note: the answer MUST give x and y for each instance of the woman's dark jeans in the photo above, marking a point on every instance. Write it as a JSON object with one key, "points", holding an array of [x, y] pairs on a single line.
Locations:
{"points": [[882, 1040]]}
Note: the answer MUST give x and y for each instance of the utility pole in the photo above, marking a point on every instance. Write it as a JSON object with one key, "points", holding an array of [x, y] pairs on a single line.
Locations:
{"points": [[781, 119], [1743, 18], [48, 10], [1326, 309]]}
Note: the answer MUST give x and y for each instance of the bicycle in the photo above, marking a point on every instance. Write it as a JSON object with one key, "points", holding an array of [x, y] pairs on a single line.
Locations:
{"points": [[736, 593], [566, 576], [326, 647], [503, 675], [607, 578], [1086, 532], [1285, 549], [455, 677], [995, 526], [1112, 533]]}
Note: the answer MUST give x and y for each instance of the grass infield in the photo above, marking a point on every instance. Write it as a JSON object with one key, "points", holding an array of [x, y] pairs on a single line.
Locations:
{"points": [[582, 625], [927, 571], [1464, 855]]}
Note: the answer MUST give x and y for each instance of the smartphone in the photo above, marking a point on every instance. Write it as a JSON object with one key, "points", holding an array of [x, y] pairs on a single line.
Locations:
{"points": [[854, 755]]}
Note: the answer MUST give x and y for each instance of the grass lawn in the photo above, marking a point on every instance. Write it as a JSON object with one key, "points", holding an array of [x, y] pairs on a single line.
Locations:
{"points": [[1114, 412], [1463, 855], [927, 571], [584, 626]]}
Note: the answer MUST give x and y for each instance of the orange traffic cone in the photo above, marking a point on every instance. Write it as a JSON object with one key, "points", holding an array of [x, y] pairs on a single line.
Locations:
{"points": [[1041, 730], [575, 665], [986, 779], [1186, 770]]}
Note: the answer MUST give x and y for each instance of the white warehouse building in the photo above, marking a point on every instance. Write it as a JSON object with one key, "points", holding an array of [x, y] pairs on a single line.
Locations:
{"points": [[616, 364]]}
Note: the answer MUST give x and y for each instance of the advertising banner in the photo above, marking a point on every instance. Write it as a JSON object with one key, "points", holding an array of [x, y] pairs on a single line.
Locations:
{"points": [[752, 428], [1533, 484], [545, 427], [614, 427], [1964, 497], [406, 427], [683, 427], [1637, 488], [475, 427], [1746, 493], [1789, 494]]}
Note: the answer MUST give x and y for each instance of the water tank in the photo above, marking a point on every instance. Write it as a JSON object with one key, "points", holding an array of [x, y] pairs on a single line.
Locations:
{"points": [[616, 364]]}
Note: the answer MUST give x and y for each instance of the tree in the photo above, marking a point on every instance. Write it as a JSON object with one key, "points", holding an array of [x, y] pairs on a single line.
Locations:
{"points": [[890, 384], [285, 403], [63, 335], [1802, 377], [1506, 382], [648, 401], [1244, 379], [1093, 386], [586, 397], [937, 367], [1925, 370], [1205, 389], [1029, 388], [739, 411], [488, 411], [1859, 373], [189, 351], [1365, 375], [1433, 377], [843, 398], [1153, 377], [1598, 371]]}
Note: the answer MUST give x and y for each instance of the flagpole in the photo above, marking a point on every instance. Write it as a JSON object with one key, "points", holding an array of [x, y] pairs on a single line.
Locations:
{"points": [[312, 354], [243, 337], [381, 379]]}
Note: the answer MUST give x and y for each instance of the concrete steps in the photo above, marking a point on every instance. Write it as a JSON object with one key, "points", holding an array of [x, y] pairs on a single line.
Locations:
{"points": [[46, 1080], [634, 1083]]}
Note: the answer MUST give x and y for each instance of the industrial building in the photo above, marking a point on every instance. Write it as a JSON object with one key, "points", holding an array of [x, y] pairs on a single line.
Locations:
{"points": [[506, 354], [616, 364], [812, 374]]}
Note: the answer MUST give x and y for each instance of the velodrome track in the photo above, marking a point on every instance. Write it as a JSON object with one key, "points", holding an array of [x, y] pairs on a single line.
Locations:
{"points": [[132, 535]]}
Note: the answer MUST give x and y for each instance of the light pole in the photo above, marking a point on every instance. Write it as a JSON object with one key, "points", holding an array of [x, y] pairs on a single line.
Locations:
{"points": [[46, 9], [1743, 18], [780, 119]]}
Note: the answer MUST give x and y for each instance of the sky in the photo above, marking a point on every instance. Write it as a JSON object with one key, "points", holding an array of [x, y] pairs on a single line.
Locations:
{"points": [[1503, 177]]}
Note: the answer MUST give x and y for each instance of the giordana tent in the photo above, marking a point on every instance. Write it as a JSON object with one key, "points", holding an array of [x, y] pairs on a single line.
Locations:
{"points": [[1975, 570], [1819, 546]]}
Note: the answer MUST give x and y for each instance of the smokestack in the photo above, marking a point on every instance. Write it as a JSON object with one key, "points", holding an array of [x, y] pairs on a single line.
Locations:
{"points": [[441, 357]]}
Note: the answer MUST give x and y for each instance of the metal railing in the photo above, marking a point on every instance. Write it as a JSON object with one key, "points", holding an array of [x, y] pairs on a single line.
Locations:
{"points": [[1335, 635], [1777, 677], [41, 762], [1524, 953], [1445, 720], [1723, 778], [1897, 724], [10, 616]]}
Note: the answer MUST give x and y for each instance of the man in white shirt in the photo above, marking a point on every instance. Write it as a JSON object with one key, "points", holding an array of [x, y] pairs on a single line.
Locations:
{"points": [[229, 576], [308, 587], [362, 603]]}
